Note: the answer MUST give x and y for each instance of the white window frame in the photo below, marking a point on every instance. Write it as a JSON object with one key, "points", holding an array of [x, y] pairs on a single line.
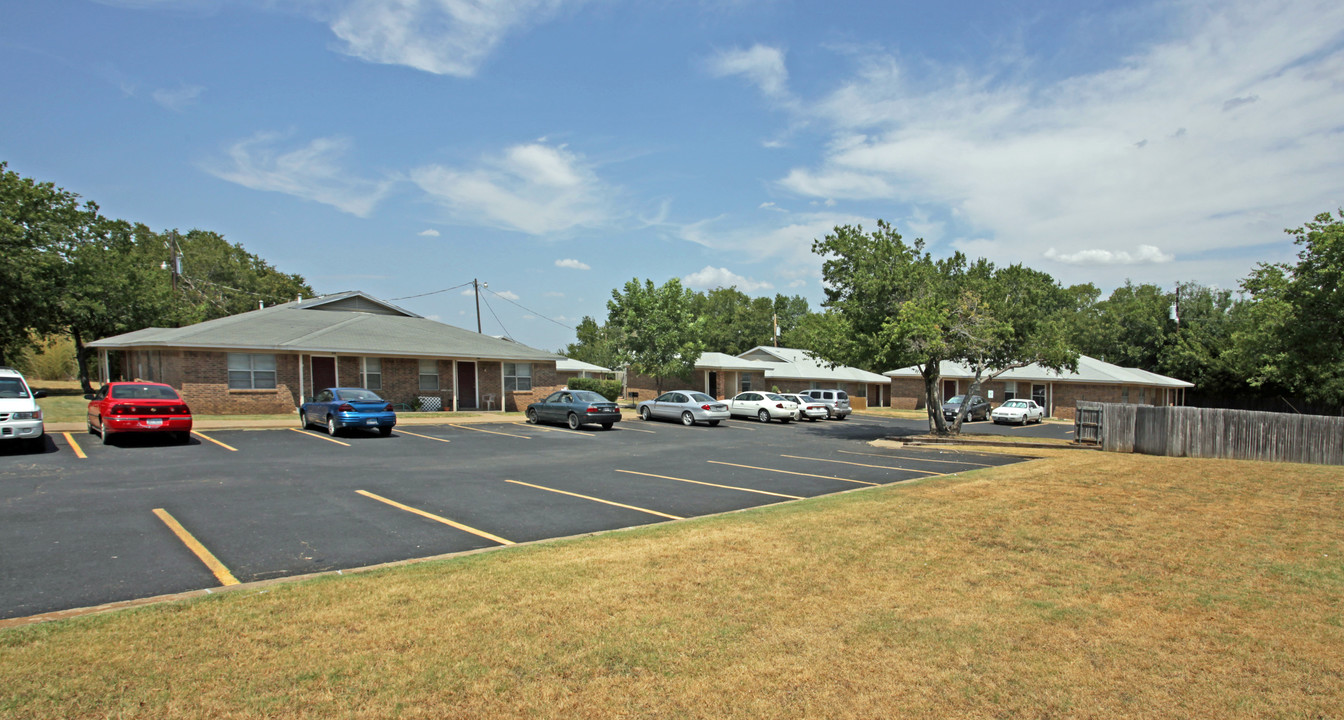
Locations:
{"points": [[365, 374], [1009, 390], [434, 364], [510, 372], [234, 364]]}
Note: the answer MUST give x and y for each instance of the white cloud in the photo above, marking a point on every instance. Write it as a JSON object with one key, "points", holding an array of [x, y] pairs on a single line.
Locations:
{"points": [[312, 172], [431, 232], [445, 37], [536, 189], [763, 66], [1213, 140], [508, 295], [572, 264], [178, 99], [711, 277], [1144, 254]]}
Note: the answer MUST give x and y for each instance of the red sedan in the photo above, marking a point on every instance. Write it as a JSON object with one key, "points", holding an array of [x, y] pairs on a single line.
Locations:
{"points": [[125, 407]]}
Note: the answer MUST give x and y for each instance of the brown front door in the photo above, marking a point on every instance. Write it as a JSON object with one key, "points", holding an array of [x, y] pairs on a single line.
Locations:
{"points": [[949, 389], [324, 374], [466, 386]]}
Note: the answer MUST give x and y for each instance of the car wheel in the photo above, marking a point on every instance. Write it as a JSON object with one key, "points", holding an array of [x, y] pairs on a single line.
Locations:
{"points": [[811, 419], [331, 426], [607, 426], [828, 414], [102, 430], [644, 413], [713, 423], [841, 417], [687, 418], [532, 416], [385, 431], [763, 416], [38, 444], [1025, 419], [574, 422], [89, 424], [183, 438], [303, 420]]}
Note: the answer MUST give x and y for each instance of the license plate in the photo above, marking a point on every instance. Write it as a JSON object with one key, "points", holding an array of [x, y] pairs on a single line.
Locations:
{"points": [[154, 422], [370, 422]]}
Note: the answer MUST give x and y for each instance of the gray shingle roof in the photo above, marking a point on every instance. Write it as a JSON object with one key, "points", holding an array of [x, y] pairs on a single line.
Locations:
{"points": [[320, 325]]}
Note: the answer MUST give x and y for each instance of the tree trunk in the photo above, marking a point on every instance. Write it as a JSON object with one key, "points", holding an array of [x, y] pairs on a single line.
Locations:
{"points": [[82, 362], [932, 398]]}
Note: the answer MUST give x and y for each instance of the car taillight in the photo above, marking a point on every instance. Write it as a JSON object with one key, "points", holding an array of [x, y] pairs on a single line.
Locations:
{"points": [[594, 409], [120, 409], [705, 407], [779, 405], [345, 407], [181, 410], [388, 408]]}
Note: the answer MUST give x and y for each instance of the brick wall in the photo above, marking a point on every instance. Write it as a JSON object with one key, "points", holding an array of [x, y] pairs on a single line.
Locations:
{"points": [[545, 380]]}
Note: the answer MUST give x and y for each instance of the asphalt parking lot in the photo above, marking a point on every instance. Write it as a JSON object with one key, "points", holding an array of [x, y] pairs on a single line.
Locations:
{"points": [[84, 524]]}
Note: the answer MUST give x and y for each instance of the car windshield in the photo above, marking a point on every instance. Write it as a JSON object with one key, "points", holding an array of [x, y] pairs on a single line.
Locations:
{"points": [[776, 398], [701, 397], [143, 392], [588, 396], [841, 395], [956, 400], [12, 388], [1015, 404], [359, 396]]}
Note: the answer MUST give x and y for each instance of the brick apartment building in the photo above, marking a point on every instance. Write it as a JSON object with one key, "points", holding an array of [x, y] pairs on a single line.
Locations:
{"points": [[267, 360], [1095, 381]]}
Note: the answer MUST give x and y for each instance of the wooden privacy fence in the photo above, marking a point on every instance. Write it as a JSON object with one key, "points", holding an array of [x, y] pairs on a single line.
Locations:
{"points": [[1211, 433]]}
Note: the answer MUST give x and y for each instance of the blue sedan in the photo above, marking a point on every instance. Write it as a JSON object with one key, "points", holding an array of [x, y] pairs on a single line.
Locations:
{"points": [[575, 408], [340, 408]]}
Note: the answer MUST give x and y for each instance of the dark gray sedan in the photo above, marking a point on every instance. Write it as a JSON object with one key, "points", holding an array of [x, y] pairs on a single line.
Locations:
{"points": [[978, 408], [688, 406], [575, 408]]}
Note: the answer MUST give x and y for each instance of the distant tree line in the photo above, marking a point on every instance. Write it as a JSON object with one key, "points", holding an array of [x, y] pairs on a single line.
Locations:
{"points": [[70, 271], [891, 304]]}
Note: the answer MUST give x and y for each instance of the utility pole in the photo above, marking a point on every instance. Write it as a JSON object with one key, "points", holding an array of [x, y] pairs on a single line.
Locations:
{"points": [[776, 333], [478, 285]]}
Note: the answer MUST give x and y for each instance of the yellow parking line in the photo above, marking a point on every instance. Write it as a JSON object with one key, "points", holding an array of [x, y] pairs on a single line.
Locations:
{"points": [[559, 430], [698, 482], [790, 472], [846, 462], [427, 437], [492, 432], [203, 436], [917, 459], [436, 518], [216, 567], [320, 437], [600, 500], [79, 452]]}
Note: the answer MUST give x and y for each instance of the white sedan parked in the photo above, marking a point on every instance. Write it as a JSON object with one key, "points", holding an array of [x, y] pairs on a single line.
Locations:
{"points": [[807, 407], [764, 406], [1020, 411]]}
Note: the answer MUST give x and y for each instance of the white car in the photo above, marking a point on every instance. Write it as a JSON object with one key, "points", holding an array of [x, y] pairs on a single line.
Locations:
{"points": [[1020, 411], [763, 406], [807, 407], [20, 417]]}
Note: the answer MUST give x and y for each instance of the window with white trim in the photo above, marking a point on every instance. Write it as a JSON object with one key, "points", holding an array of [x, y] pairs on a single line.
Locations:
{"points": [[1010, 390], [251, 372], [517, 376], [371, 373], [429, 374]]}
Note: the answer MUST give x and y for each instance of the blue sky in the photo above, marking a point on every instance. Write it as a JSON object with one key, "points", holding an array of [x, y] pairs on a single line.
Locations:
{"points": [[558, 148]]}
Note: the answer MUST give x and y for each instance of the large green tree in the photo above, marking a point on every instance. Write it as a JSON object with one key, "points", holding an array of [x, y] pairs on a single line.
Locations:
{"points": [[1293, 334], [596, 344], [734, 322], [39, 225], [660, 334]]}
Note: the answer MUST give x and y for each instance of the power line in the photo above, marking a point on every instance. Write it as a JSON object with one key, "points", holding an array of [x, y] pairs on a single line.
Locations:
{"points": [[496, 317], [534, 312], [436, 292]]}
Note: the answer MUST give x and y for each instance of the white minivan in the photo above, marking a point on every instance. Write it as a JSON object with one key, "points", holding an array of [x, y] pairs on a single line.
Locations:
{"points": [[20, 417]]}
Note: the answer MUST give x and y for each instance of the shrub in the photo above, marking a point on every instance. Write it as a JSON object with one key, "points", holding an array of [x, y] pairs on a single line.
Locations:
{"points": [[609, 389]]}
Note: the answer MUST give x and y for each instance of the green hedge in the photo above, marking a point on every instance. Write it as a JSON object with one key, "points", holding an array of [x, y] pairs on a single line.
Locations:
{"points": [[609, 389]]}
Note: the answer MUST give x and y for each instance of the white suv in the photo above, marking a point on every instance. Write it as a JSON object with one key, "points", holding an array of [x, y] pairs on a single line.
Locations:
{"points": [[20, 417]]}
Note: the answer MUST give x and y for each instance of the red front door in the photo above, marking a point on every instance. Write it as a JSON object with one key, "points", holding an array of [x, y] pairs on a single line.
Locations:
{"points": [[324, 374], [466, 386]]}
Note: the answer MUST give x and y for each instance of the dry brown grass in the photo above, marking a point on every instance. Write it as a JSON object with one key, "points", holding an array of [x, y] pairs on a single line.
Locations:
{"points": [[1080, 585]]}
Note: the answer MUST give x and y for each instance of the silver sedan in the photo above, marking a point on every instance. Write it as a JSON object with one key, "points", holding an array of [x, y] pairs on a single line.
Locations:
{"points": [[688, 406]]}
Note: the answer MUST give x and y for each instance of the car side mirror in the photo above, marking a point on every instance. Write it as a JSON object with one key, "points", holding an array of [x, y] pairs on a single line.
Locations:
{"points": [[89, 396], [39, 394]]}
